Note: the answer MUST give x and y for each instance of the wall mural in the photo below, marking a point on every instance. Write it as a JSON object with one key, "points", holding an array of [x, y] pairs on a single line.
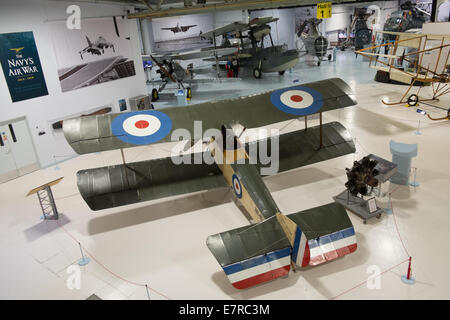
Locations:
{"points": [[21, 66], [177, 34], [98, 52]]}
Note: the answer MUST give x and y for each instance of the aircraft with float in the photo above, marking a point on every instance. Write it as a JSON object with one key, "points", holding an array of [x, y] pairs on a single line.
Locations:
{"points": [[274, 243], [98, 47], [254, 55]]}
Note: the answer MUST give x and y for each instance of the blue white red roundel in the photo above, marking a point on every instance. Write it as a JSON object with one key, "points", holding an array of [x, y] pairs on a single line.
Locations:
{"points": [[142, 127], [237, 187], [299, 101]]}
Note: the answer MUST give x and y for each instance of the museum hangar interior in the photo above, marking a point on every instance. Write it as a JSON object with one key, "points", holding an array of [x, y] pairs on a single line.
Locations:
{"points": [[105, 106]]}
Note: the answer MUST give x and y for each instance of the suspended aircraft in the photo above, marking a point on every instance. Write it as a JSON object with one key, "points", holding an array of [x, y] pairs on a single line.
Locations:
{"points": [[313, 43], [275, 242], [177, 28], [172, 71], [409, 17], [98, 47], [275, 58]]}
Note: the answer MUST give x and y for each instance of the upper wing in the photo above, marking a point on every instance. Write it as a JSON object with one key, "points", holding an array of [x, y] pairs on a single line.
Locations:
{"points": [[195, 54], [232, 27], [114, 131]]}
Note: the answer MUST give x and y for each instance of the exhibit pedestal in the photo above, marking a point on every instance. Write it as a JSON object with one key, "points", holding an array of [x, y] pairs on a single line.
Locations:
{"points": [[402, 154], [359, 206]]}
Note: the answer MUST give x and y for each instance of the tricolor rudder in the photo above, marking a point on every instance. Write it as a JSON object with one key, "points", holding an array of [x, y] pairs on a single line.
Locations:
{"points": [[332, 246], [259, 269]]}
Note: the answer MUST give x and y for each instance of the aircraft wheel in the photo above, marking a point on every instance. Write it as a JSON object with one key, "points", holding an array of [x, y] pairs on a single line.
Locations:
{"points": [[281, 72], [155, 95], [329, 57], [413, 100], [318, 63], [189, 93], [257, 73]]}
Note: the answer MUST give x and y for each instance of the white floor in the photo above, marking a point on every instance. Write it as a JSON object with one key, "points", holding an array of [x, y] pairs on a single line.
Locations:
{"points": [[162, 243]]}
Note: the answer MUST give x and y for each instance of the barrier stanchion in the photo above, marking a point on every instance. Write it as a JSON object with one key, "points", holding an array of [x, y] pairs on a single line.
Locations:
{"points": [[408, 279], [84, 260]]}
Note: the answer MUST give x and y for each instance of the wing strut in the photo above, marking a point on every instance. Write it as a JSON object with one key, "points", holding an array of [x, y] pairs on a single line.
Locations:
{"points": [[125, 166]]}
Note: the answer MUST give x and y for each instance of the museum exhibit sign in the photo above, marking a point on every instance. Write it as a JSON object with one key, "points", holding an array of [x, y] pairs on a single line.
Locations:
{"points": [[21, 66]]}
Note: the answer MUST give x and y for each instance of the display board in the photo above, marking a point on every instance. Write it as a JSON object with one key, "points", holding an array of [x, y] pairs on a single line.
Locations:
{"points": [[21, 66], [98, 52]]}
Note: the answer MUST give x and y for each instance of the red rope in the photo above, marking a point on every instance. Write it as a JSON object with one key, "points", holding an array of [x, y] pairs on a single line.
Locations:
{"points": [[107, 269], [360, 284]]}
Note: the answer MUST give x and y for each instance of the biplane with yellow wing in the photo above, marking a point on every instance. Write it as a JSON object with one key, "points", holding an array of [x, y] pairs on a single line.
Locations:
{"points": [[417, 60], [274, 243]]}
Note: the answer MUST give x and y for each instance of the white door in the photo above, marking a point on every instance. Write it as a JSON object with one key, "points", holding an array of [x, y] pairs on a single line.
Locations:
{"points": [[17, 154]]}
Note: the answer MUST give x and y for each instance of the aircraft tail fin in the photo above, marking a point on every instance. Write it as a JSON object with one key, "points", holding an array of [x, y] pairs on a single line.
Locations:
{"points": [[319, 234], [89, 41], [252, 254]]}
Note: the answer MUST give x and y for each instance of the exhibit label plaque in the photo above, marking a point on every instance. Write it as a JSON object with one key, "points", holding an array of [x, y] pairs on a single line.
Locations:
{"points": [[21, 66]]}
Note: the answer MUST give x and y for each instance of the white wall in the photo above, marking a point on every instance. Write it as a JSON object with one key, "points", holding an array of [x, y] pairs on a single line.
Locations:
{"points": [[32, 15]]}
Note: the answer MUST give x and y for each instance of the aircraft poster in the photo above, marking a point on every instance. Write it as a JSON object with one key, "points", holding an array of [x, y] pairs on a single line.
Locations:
{"points": [[98, 52], [21, 66]]}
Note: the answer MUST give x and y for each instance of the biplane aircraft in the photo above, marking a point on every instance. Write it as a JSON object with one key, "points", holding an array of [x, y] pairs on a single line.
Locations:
{"points": [[275, 242], [417, 60], [256, 56], [172, 71], [314, 43]]}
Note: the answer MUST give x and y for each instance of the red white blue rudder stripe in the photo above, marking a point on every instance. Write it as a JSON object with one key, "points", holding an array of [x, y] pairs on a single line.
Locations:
{"points": [[259, 269], [141, 127], [332, 246], [300, 101], [300, 250]]}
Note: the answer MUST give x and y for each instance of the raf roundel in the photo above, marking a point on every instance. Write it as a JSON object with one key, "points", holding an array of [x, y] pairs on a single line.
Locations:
{"points": [[236, 186], [142, 127], [300, 101]]}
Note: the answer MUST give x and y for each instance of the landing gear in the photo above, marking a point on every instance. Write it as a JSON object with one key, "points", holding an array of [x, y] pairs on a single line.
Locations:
{"points": [[329, 57], [413, 100], [257, 73], [188, 93], [318, 63], [155, 95], [281, 72]]}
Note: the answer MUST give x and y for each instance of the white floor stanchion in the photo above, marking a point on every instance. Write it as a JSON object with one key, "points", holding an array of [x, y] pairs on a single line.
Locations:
{"points": [[418, 130], [389, 209], [84, 260], [414, 183]]}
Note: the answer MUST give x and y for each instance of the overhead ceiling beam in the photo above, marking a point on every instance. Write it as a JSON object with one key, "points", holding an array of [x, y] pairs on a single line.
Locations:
{"points": [[251, 5]]}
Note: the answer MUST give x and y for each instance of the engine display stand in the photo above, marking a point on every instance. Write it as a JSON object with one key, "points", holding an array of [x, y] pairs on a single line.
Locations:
{"points": [[358, 205]]}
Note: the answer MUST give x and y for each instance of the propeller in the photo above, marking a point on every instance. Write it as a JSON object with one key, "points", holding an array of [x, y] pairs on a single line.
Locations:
{"points": [[361, 176], [161, 67]]}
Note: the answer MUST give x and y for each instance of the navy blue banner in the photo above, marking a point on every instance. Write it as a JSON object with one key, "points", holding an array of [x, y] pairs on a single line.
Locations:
{"points": [[21, 66]]}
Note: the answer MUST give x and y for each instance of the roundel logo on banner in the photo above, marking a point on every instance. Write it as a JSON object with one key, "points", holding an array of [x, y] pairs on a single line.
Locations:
{"points": [[299, 101], [142, 127], [237, 187]]}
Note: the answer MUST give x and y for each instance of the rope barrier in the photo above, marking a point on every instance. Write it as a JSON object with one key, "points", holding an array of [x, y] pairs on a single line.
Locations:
{"points": [[110, 271]]}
